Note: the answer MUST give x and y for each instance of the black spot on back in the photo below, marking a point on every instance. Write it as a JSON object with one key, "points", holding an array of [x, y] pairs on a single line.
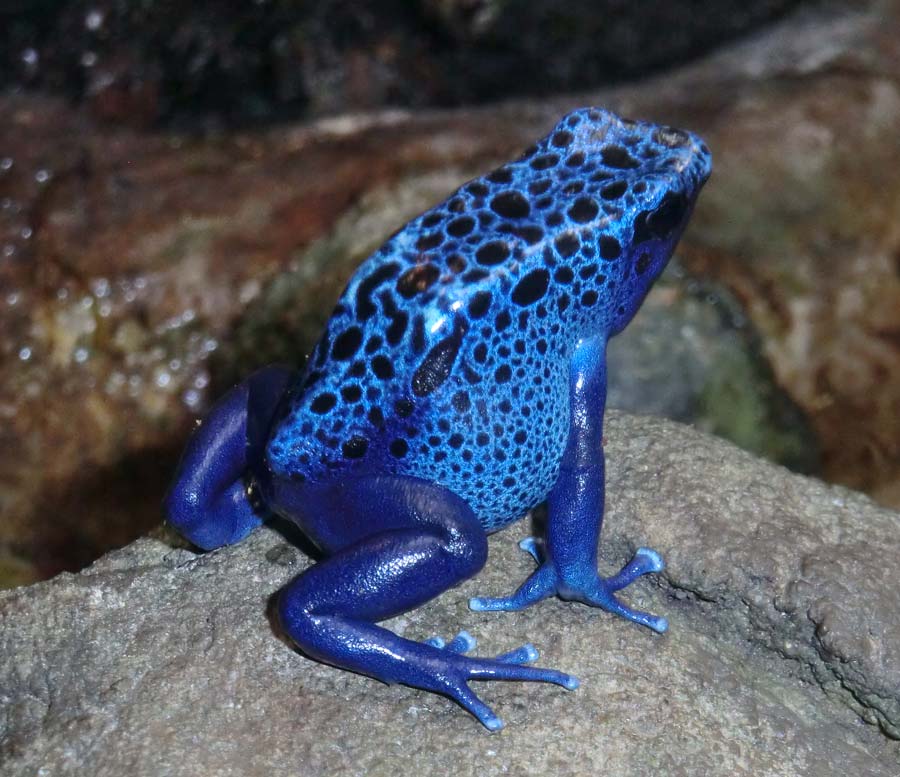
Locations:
{"points": [[461, 227], [510, 205], [584, 209], [501, 175], [473, 276], [563, 275], [355, 448], [610, 248], [427, 242], [323, 403], [561, 139], [618, 157], [397, 328], [544, 162], [417, 279], [418, 335], [461, 401], [494, 252], [382, 367], [530, 233], [346, 344], [531, 288], [351, 393], [438, 362], [404, 407], [567, 244], [399, 447], [479, 304], [365, 308], [614, 190]]}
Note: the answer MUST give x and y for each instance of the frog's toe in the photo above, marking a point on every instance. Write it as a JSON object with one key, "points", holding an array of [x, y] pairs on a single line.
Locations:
{"points": [[530, 546], [469, 700], [538, 586], [644, 562], [604, 598], [525, 654], [495, 669], [461, 643], [458, 671]]}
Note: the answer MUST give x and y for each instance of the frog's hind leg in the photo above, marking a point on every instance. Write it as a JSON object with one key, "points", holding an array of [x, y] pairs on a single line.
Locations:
{"points": [[423, 540], [208, 501]]}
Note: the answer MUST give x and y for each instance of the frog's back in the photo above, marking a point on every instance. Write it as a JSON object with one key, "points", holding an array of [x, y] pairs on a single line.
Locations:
{"points": [[446, 356]]}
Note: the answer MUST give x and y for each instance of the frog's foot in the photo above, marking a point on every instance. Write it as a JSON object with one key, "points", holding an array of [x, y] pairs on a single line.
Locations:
{"points": [[506, 666], [456, 673], [581, 584]]}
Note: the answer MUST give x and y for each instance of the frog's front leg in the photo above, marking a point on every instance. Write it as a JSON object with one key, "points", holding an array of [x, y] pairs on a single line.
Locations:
{"points": [[575, 511], [404, 541]]}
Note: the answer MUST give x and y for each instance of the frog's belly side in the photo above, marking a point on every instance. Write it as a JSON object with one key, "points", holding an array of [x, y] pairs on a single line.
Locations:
{"points": [[498, 450], [498, 477]]}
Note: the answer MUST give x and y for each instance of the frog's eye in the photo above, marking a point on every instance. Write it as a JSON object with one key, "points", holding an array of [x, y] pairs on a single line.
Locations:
{"points": [[660, 222], [668, 215]]}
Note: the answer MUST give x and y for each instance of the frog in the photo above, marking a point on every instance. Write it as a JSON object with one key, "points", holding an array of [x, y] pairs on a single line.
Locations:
{"points": [[460, 382]]}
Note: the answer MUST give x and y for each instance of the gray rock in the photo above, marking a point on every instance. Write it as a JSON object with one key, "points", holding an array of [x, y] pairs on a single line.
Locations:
{"points": [[692, 355], [781, 592]]}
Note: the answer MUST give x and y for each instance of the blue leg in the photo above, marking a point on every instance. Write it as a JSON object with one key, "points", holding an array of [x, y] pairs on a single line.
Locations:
{"points": [[431, 542], [569, 566], [208, 501]]}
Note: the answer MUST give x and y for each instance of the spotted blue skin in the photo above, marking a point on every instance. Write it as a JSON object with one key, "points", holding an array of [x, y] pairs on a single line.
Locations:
{"points": [[460, 381]]}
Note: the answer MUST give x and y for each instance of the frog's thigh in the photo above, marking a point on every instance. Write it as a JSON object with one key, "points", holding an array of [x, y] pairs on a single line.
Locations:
{"points": [[208, 501], [419, 540]]}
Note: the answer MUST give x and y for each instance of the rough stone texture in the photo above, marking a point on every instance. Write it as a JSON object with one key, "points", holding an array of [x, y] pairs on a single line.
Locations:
{"points": [[800, 222], [691, 355], [785, 626]]}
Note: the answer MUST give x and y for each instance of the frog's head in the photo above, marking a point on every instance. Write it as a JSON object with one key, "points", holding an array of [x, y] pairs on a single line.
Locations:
{"points": [[648, 178]]}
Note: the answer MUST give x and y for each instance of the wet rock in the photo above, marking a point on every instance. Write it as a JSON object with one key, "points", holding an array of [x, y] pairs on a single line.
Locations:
{"points": [[784, 636]]}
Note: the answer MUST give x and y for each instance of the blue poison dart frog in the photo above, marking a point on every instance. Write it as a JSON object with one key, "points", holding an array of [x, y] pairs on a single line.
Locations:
{"points": [[460, 381]]}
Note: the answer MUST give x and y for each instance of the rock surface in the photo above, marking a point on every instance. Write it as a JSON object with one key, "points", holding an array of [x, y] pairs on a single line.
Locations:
{"points": [[781, 592]]}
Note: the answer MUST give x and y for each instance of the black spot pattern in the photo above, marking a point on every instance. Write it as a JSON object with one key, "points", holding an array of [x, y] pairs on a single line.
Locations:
{"points": [[531, 288], [447, 356]]}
